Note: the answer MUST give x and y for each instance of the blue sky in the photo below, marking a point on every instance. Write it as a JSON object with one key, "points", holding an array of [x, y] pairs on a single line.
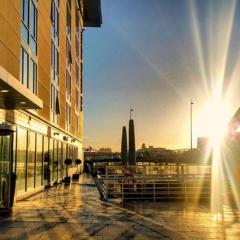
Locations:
{"points": [[147, 54]]}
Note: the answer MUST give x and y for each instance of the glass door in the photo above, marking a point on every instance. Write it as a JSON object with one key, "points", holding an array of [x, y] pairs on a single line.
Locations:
{"points": [[5, 169]]}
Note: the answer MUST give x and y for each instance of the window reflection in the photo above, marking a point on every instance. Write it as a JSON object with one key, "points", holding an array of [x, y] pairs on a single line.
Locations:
{"points": [[46, 170], [39, 155], [31, 160], [51, 158], [60, 161], [21, 159]]}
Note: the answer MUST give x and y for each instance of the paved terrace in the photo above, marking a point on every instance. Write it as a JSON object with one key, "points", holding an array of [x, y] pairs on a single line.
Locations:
{"points": [[76, 212]]}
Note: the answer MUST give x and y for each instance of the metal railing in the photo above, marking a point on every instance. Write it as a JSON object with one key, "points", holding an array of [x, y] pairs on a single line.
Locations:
{"points": [[157, 170], [155, 188]]}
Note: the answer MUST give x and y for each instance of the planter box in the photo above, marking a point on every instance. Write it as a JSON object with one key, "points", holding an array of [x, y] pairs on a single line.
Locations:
{"points": [[67, 181], [75, 176]]}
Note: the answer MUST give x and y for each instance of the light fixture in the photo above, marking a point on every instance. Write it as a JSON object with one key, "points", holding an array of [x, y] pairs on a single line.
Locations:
{"points": [[4, 91], [55, 133], [73, 140], [65, 138], [22, 102]]}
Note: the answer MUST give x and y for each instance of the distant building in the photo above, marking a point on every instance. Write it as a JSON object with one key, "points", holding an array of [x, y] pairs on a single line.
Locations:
{"points": [[151, 151], [105, 150], [143, 146], [102, 153], [90, 149]]}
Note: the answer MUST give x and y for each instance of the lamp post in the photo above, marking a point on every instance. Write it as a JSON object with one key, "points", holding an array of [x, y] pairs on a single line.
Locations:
{"points": [[191, 132]]}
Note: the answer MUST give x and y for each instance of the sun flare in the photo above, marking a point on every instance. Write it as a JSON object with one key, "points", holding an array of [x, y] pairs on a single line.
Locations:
{"points": [[213, 121]]}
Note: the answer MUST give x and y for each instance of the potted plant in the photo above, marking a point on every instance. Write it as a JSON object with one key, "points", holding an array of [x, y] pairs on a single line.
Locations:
{"points": [[76, 175], [67, 179]]}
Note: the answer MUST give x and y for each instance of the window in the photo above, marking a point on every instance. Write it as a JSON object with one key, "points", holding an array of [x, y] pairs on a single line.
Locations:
{"points": [[46, 171], [81, 65], [68, 85], [39, 162], [68, 116], [52, 11], [54, 63], [25, 19], [55, 162], [60, 160], [51, 150], [32, 85], [77, 68], [28, 52], [81, 104], [28, 71], [81, 87], [55, 105], [33, 28], [69, 18], [69, 54], [64, 157], [77, 46], [31, 160], [76, 126], [55, 19], [77, 99], [77, 75], [52, 54], [24, 67], [25, 11], [57, 109], [21, 159], [29, 24]]}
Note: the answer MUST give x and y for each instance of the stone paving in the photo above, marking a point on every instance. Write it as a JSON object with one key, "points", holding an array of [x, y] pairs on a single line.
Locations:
{"points": [[76, 212]]}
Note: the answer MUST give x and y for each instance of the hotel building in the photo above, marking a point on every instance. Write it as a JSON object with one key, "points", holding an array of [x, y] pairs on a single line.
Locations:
{"points": [[41, 90]]}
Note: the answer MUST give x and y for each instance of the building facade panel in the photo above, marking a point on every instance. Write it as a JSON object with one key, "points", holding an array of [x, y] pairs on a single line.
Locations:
{"points": [[44, 50], [10, 36]]}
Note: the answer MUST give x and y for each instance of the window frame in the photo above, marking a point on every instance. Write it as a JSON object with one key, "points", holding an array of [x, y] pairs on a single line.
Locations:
{"points": [[26, 47], [54, 66]]}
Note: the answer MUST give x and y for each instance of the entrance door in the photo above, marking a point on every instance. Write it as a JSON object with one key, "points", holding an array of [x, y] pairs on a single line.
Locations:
{"points": [[6, 138]]}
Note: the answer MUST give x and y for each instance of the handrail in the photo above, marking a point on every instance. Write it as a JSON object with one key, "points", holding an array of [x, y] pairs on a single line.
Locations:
{"points": [[157, 187]]}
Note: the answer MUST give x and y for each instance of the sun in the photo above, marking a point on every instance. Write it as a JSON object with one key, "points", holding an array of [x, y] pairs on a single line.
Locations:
{"points": [[213, 121]]}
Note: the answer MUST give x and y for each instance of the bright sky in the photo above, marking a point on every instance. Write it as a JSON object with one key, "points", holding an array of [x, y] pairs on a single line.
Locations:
{"points": [[157, 55]]}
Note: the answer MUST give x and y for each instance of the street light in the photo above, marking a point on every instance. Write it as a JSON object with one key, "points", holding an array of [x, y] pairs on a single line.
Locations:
{"points": [[191, 132]]}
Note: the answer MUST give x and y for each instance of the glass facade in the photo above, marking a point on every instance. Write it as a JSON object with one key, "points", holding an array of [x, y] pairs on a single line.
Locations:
{"points": [[60, 161], [31, 159], [55, 161], [46, 163], [39, 159], [5, 168], [51, 149], [21, 159], [64, 155]]}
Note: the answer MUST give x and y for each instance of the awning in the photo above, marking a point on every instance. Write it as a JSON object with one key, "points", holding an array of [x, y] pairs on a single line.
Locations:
{"points": [[14, 95], [92, 14]]}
